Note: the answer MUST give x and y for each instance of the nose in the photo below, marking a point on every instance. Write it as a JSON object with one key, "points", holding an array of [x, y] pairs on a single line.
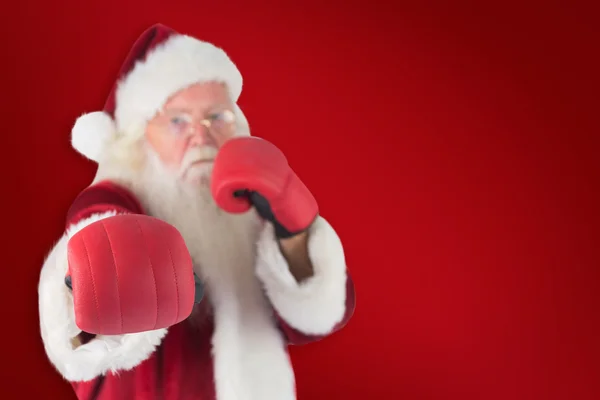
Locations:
{"points": [[201, 136]]}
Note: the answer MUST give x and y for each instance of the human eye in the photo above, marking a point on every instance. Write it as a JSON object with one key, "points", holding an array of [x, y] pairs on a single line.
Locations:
{"points": [[214, 116], [178, 120], [222, 116], [178, 123]]}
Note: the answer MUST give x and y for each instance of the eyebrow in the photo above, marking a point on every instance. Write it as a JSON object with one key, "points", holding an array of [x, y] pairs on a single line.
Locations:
{"points": [[176, 109], [212, 108]]}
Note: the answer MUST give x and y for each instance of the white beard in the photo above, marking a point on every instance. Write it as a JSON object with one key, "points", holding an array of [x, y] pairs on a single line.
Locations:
{"points": [[222, 245], [250, 360]]}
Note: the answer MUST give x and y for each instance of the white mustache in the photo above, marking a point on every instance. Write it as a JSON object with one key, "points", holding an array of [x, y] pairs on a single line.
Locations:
{"points": [[196, 154]]}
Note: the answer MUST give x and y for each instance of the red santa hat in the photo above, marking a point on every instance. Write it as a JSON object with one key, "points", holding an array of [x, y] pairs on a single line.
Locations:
{"points": [[160, 63]]}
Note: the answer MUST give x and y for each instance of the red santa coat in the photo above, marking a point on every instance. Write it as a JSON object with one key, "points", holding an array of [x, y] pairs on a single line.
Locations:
{"points": [[193, 360]]}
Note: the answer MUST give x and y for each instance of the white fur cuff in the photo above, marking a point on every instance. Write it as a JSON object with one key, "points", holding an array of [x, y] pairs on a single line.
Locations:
{"points": [[317, 304], [58, 328]]}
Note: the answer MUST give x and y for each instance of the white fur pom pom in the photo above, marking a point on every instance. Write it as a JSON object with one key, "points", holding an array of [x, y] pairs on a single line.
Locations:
{"points": [[90, 134]]}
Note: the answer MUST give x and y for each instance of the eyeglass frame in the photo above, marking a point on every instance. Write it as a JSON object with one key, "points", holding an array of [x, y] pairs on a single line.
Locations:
{"points": [[192, 121]]}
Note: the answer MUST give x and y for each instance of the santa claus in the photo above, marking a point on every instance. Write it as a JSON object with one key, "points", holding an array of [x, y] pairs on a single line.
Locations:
{"points": [[196, 255]]}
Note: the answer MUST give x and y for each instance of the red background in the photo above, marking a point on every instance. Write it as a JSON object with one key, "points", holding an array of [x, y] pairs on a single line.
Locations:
{"points": [[453, 148]]}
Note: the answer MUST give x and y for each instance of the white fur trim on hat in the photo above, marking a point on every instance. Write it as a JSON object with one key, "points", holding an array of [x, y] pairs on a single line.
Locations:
{"points": [[172, 66], [90, 134], [177, 63]]}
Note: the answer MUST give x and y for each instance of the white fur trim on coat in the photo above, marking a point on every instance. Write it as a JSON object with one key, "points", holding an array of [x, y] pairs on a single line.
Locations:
{"points": [[58, 328], [317, 304], [173, 65]]}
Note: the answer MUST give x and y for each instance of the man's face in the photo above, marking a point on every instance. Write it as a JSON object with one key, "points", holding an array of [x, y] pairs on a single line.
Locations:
{"points": [[187, 133]]}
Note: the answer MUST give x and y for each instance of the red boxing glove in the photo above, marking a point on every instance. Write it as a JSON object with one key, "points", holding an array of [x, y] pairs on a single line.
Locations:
{"points": [[128, 274], [250, 171]]}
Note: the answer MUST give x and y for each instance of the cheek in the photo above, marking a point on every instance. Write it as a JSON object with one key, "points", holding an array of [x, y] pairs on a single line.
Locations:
{"points": [[177, 152], [169, 150], [221, 139]]}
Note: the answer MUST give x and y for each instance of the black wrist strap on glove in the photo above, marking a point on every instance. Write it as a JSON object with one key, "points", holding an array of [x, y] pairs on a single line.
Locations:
{"points": [[263, 208], [199, 289]]}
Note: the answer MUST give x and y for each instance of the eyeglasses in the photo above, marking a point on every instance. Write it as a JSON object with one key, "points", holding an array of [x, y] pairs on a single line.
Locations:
{"points": [[180, 123]]}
